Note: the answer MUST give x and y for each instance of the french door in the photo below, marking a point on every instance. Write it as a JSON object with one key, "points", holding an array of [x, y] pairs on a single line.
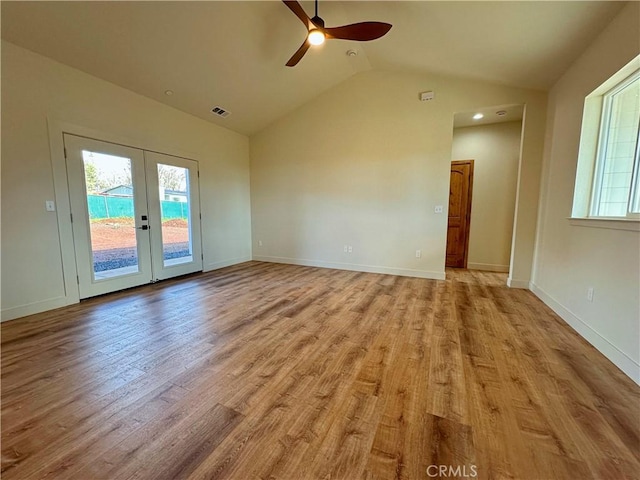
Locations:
{"points": [[135, 215]]}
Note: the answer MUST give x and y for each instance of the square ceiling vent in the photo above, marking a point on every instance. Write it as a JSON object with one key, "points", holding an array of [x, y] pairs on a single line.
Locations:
{"points": [[221, 112]]}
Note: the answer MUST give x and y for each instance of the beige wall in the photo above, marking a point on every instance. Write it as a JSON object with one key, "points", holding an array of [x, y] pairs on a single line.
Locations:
{"points": [[495, 150], [37, 93], [365, 163], [571, 257]]}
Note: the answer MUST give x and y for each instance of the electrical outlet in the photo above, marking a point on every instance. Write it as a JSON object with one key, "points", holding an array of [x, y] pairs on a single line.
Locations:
{"points": [[418, 253], [259, 243], [350, 249], [438, 209], [590, 294]]}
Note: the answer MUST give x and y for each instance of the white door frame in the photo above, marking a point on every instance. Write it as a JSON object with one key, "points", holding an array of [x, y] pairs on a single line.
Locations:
{"points": [[160, 271], [57, 127], [88, 284]]}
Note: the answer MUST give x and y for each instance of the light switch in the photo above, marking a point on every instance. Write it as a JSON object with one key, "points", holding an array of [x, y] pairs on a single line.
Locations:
{"points": [[50, 206]]}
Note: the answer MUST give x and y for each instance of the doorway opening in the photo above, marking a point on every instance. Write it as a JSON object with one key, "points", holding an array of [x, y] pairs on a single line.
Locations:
{"points": [[135, 215], [482, 210], [460, 197]]}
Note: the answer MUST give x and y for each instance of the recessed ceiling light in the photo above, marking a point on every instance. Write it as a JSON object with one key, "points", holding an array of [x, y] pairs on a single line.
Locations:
{"points": [[351, 53], [478, 116], [501, 113], [168, 92]]}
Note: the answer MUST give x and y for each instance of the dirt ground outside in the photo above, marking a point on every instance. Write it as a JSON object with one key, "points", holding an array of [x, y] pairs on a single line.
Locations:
{"points": [[109, 233], [113, 241]]}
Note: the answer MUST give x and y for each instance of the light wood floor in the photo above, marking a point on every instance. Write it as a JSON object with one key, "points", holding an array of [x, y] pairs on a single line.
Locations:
{"points": [[275, 371]]}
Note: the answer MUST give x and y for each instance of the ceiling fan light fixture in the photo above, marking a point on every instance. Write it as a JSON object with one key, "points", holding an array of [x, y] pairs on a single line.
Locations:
{"points": [[317, 33], [316, 37]]}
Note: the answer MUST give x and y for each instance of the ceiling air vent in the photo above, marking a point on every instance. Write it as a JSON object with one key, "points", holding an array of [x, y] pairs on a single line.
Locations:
{"points": [[221, 112]]}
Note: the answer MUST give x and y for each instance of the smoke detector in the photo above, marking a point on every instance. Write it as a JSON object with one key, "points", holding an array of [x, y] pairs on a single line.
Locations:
{"points": [[426, 96]]}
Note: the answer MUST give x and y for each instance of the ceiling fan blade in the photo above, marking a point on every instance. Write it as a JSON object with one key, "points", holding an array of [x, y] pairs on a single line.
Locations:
{"points": [[293, 61], [296, 8], [362, 32]]}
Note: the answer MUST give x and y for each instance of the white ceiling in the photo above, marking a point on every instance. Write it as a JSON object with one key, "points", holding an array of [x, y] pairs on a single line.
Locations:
{"points": [[509, 113], [233, 54]]}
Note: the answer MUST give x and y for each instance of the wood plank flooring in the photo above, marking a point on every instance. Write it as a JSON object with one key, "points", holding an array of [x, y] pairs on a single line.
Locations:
{"points": [[284, 372]]}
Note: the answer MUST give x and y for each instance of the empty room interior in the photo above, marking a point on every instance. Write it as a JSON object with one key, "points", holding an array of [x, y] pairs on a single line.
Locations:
{"points": [[320, 240]]}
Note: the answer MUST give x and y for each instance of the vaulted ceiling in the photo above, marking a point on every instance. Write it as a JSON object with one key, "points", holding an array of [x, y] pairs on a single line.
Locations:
{"points": [[232, 54]]}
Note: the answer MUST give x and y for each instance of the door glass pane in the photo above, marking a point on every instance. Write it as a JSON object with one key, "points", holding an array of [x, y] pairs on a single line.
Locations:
{"points": [[174, 209], [111, 214]]}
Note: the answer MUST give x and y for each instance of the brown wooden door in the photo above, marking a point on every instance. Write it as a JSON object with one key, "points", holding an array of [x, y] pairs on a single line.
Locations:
{"points": [[460, 190]]}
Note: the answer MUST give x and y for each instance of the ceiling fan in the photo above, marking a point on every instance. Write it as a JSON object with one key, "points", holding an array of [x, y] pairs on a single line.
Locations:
{"points": [[317, 33]]}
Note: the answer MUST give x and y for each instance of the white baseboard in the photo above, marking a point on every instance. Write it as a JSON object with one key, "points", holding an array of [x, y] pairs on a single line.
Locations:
{"points": [[404, 272], [488, 267], [226, 263], [33, 308], [513, 283], [620, 359], [52, 303]]}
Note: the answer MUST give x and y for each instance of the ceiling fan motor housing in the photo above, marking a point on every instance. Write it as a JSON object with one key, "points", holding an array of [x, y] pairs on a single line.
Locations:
{"points": [[318, 22]]}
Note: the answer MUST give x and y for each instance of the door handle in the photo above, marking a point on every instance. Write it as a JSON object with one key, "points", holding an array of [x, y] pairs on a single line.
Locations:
{"points": [[144, 227]]}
